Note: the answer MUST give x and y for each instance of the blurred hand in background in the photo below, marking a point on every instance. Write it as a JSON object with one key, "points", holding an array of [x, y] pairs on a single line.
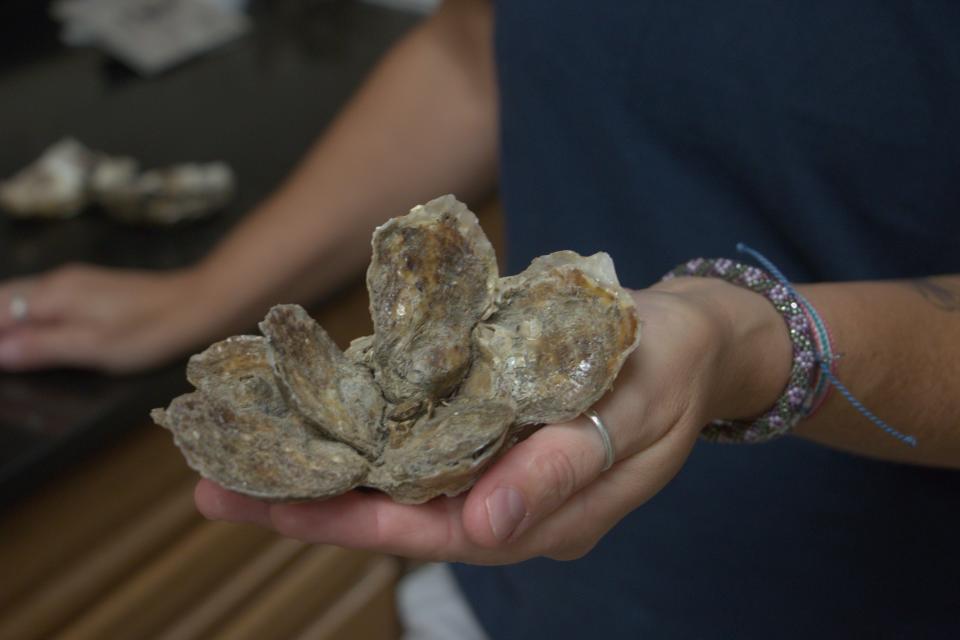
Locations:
{"points": [[393, 146], [108, 319]]}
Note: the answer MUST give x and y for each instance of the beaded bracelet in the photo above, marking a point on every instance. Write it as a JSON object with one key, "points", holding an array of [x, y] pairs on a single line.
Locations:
{"points": [[801, 391], [812, 344]]}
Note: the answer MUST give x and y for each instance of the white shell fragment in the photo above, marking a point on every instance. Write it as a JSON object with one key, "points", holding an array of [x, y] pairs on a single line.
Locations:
{"points": [[462, 365]]}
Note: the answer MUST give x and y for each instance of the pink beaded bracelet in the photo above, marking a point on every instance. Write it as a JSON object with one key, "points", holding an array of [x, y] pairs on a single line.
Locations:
{"points": [[812, 346], [800, 392]]}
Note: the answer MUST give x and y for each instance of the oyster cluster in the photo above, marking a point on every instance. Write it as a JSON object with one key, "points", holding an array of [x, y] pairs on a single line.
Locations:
{"points": [[68, 177], [461, 365]]}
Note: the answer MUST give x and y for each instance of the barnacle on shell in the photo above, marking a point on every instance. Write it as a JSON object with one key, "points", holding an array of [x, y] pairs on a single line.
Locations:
{"points": [[460, 363]]}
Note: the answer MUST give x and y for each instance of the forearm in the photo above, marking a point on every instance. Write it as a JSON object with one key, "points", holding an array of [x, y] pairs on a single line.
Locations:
{"points": [[424, 124], [899, 353]]}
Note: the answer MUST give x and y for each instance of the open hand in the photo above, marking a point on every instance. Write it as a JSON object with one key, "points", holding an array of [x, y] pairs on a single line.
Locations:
{"points": [[547, 496], [107, 319]]}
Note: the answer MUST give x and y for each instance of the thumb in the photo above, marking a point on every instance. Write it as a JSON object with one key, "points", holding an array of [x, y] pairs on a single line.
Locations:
{"points": [[532, 481]]}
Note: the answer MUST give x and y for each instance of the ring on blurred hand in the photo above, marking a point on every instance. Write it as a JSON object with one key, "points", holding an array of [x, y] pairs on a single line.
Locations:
{"points": [[19, 308], [604, 435]]}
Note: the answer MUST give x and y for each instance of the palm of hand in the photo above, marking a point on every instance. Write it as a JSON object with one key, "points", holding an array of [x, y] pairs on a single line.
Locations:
{"points": [[547, 495]]}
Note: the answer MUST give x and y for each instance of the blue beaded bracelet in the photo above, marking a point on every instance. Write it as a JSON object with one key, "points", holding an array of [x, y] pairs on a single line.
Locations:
{"points": [[797, 398]]}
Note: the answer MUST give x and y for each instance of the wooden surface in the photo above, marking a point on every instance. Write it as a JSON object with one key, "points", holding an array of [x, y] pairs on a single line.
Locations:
{"points": [[116, 550], [112, 548]]}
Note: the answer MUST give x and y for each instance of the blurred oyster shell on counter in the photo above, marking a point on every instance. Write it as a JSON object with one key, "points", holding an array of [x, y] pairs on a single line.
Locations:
{"points": [[165, 196], [111, 173], [52, 186], [68, 177], [461, 363]]}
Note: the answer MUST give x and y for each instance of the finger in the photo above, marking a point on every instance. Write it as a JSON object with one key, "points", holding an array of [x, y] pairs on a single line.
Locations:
{"points": [[47, 297], [9, 292], [539, 474], [573, 529], [30, 347], [434, 531], [356, 520], [532, 480], [373, 521], [217, 503]]}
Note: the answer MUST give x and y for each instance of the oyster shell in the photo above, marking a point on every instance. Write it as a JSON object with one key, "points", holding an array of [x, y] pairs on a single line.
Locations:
{"points": [[237, 429], [52, 186], [461, 365], [166, 196], [324, 387], [558, 338], [443, 452], [110, 174], [259, 455], [237, 372], [68, 177], [432, 277]]}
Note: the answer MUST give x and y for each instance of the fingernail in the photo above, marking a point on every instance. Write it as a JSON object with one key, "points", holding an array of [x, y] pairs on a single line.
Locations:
{"points": [[506, 510]]}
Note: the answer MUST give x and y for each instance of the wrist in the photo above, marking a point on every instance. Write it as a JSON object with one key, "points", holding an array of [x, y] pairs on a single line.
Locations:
{"points": [[751, 354]]}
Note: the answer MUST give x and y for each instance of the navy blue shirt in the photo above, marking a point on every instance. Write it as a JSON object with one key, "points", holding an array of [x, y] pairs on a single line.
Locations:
{"points": [[825, 133]]}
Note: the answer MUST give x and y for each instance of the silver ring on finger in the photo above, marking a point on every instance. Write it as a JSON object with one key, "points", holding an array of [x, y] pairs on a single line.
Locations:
{"points": [[19, 308], [608, 452]]}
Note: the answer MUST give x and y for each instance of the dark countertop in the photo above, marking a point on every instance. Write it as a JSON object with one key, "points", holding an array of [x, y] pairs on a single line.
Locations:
{"points": [[256, 103]]}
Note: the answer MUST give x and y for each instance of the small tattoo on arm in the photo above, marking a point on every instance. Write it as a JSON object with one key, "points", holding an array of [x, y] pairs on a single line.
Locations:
{"points": [[940, 296]]}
